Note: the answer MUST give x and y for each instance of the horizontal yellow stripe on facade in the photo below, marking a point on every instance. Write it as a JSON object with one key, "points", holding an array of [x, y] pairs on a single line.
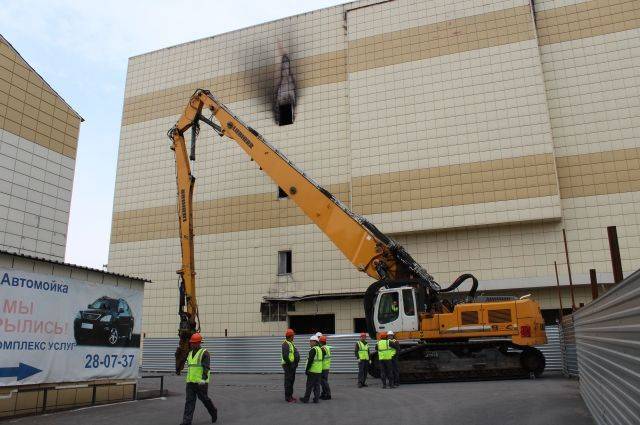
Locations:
{"points": [[464, 184], [587, 19], [31, 110], [310, 71], [442, 38]]}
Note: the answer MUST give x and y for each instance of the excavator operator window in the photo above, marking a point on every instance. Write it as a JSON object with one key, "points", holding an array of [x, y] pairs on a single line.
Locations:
{"points": [[407, 302], [388, 309]]}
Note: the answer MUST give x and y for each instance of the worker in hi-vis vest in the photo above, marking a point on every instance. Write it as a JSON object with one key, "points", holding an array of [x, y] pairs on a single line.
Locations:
{"points": [[289, 361], [198, 375], [326, 365], [384, 358], [394, 346], [313, 371], [362, 354]]}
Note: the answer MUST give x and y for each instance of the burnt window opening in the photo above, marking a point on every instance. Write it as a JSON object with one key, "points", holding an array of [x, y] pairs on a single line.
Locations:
{"points": [[285, 114], [284, 263], [274, 311], [281, 193]]}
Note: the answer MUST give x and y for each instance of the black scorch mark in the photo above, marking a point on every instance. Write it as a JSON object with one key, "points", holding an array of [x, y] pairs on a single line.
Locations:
{"points": [[285, 96]]}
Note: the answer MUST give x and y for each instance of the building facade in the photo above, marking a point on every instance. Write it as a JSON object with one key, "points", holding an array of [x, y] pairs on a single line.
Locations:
{"points": [[38, 141], [472, 132]]}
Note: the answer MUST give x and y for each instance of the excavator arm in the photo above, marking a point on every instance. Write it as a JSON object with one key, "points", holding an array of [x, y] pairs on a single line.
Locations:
{"points": [[366, 247]]}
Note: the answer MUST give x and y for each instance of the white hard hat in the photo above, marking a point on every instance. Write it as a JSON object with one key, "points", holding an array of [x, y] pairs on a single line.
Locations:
{"points": [[314, 338], [318, 334], [390, 333]]}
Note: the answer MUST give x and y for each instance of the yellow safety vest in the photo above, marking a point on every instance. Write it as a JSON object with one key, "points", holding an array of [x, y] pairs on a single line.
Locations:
{"points": [[316, 366], [326, 358], [363, 351], [292, 349], [194, 367], [384, 353]]}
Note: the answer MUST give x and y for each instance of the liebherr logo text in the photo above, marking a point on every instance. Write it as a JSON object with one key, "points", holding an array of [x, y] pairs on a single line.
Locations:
{"points": [[242, 136], [183, 206]]}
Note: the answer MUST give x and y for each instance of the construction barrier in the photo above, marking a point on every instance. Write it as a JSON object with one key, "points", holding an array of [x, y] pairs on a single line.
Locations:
{"points": [[262, 354], [608, 344]]}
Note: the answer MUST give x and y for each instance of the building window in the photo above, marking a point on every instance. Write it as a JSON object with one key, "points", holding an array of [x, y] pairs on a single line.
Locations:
{"points": [[312, 323], [285, 114], [284, 263], [274, 311], [359, 325], [281, 193]]}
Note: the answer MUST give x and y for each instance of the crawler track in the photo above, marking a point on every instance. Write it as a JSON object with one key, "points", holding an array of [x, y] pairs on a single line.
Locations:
{"points": [[465, 361]]}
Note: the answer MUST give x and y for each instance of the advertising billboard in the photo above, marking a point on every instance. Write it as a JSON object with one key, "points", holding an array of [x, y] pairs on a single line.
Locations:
{"points": [[57, 329]]}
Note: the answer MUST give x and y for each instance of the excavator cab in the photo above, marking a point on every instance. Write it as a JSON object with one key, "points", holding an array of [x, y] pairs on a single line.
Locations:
{"points": [[395, 310]]}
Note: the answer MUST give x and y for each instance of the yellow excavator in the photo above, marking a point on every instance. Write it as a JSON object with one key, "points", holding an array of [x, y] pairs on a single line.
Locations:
{"points": [[441, 337]]}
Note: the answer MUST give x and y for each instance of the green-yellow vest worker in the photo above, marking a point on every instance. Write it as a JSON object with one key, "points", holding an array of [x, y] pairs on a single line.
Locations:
{"points": [[325, 394], [384, 351], [313, 371], [363, 350], [362, 354], [292, 351], [326, 358], [195, 369], [198, 377], [316, 364]]}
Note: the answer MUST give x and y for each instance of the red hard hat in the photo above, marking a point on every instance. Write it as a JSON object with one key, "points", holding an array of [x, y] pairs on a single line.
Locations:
{"points": [[363, 335], [323, 339], [289, 332], [195, 338]]}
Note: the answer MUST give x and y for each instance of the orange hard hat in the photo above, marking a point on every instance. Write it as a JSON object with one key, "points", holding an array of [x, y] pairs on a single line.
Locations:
{"points": [[323, 339], [289, 332], [383, 334], [363, 335], [196, 338]]}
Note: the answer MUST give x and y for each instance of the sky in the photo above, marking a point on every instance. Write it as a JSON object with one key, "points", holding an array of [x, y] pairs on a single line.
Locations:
{"points": [[81, 48]]}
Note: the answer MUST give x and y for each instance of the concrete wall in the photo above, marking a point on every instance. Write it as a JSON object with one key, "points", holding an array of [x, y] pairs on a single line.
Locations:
{"points": [[471, 132], [38, 142]]}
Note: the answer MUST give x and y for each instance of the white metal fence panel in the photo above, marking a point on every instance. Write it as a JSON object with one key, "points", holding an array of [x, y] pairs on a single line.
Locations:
{"points": [[608, 342], [568, 347], [262, 354]]}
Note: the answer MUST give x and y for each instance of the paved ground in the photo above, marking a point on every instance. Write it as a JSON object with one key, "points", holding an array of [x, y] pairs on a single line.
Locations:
{"points": [[258, 399]]}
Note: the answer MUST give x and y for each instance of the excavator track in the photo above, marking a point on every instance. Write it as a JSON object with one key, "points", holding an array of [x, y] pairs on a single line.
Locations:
{"points": [[465, 361]]}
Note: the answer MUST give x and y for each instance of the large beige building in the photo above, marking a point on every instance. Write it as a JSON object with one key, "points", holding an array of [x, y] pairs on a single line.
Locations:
{"points": [[38, 141], [472, 132]]}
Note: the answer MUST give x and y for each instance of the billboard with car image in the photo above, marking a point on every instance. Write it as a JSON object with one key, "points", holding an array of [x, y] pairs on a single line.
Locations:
{"points": [[55, 329]]}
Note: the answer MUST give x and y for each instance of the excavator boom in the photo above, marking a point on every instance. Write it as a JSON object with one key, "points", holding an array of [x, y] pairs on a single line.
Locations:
{"points": [[366, 247]]}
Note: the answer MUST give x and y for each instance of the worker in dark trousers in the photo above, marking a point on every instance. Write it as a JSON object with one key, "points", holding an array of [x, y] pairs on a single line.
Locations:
{"points": [[394, 346], [362, 354], [313, 371], [290, 360], [326, 365], [198, 376], [384, 358]]}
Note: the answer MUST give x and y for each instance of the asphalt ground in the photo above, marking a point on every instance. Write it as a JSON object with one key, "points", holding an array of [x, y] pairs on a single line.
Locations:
{"points": [[259, 399]]}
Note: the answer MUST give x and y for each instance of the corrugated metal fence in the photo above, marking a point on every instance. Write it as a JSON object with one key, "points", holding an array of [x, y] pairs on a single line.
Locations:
{"points": [[568, 347], [262, 354], [608, 342]]}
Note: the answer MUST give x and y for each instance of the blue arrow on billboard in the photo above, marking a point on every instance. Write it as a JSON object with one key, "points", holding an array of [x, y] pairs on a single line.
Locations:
{"points": [[21, 372]]}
